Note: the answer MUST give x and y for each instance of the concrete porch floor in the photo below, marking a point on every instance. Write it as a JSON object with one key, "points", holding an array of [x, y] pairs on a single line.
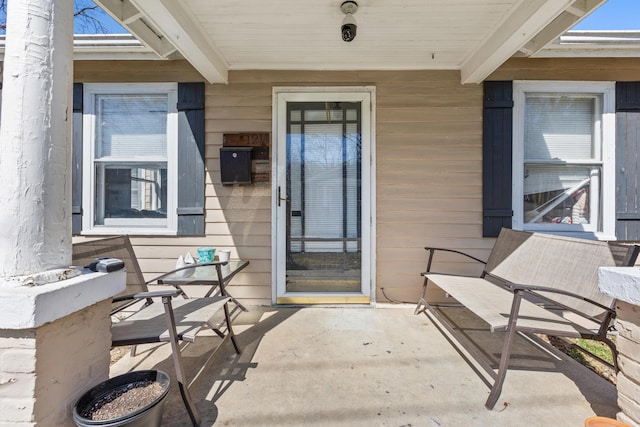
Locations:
{"points": [[369, 367]]}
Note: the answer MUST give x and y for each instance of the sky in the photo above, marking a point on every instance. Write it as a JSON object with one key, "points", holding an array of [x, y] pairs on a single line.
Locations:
{"points": [[111, 26], [82, 26], [613, 15]]}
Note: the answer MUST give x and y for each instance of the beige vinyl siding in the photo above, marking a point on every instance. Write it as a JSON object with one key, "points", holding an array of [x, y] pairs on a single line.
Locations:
{"points": [[428, 173], [239, 216], [429, 176], [428, 163], [236, 217], [596, 69], [428, 160], [134, 71]]}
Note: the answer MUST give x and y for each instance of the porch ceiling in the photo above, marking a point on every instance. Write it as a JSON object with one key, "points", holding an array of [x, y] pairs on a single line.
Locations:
{"points": [[473, 36]]}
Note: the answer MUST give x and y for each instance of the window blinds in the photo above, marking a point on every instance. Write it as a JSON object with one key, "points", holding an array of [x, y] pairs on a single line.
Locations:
{"points": [[559, 127], [324, 180], [130, 126]]}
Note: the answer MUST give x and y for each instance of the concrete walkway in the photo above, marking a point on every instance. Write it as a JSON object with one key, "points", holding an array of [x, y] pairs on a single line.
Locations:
{"points": [[370, 367]]}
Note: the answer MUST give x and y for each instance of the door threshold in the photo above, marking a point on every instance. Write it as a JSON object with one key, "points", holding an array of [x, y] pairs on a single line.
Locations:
{"points": [[329, 299]]}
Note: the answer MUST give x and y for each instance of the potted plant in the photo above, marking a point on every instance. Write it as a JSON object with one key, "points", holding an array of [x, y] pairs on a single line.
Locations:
{"points": [[134, 399]]}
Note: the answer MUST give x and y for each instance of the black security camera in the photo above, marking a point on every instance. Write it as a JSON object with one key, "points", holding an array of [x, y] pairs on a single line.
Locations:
{"points": [[349, 26]]}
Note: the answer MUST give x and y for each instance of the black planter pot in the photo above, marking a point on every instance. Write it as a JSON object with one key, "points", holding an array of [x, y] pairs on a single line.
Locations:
{"points": [[149, 416]]}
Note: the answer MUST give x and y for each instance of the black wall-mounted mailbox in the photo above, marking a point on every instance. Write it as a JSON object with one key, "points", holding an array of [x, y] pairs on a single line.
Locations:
{"points": [[235, 165]]}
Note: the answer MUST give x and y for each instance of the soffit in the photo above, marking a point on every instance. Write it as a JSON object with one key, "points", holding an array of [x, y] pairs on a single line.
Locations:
{"points": [[473, 36]]}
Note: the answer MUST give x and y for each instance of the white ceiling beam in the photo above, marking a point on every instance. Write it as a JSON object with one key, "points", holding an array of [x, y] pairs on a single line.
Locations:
{"points": [[525, 21], [127, 15], [122, 10], [112, 7], [146, 35], [129, 12], [581, 8], [565, 21], [176, 26], [576, 10]]}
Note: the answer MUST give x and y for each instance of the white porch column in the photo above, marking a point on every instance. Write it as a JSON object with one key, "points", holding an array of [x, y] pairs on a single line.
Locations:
{"points": [[35, 183], [54, 333]]}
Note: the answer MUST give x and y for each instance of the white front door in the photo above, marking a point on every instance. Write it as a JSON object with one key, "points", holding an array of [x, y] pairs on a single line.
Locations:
{"points": [[322, 196]]}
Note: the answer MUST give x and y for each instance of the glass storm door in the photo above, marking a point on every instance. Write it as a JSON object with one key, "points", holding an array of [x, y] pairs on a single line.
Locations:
{"points": [[322, 198]]}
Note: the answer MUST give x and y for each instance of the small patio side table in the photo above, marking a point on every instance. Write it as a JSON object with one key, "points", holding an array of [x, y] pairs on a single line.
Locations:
{"points": [[214, 274]]}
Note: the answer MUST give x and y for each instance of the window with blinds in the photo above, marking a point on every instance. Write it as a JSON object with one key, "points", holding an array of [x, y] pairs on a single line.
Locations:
{"points": [[562, 158], [559, 155], [131, 158], [132, 139]]}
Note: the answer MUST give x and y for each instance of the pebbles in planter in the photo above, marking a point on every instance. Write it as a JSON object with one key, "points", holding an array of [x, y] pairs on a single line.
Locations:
{"points": [[124, 400]]}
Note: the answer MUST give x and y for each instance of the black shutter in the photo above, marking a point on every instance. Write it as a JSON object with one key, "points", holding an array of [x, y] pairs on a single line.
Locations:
{"points": [[191, 159], [497, 135], [627, 160], [76, 172]]}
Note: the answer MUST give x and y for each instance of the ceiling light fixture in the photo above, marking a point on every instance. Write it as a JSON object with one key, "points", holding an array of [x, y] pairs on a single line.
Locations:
{"points": [[349, 25]]}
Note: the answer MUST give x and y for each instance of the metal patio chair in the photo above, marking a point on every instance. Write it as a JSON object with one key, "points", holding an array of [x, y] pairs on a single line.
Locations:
{"points": [[172, 321]]}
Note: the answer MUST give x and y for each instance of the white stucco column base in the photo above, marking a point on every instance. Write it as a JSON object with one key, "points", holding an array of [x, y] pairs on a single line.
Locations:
{"points": [[623, 283], [54, 345]]}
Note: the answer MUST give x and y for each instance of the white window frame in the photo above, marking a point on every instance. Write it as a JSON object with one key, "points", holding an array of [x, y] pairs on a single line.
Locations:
{"points": [[132, 226], [604, 226]]}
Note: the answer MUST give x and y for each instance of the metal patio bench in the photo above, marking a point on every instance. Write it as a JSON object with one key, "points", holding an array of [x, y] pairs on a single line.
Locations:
{"points": [[172, 321], [531, 283]]}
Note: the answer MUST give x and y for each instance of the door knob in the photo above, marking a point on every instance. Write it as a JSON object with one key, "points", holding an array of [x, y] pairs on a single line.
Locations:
{"points": [[280, 198]]}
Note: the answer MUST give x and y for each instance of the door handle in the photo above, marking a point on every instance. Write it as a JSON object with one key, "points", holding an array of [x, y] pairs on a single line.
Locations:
{"points": [[280, 198]]}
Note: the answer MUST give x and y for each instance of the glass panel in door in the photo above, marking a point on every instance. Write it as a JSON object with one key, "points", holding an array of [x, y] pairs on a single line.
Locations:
{"points": [[324, 197]]}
